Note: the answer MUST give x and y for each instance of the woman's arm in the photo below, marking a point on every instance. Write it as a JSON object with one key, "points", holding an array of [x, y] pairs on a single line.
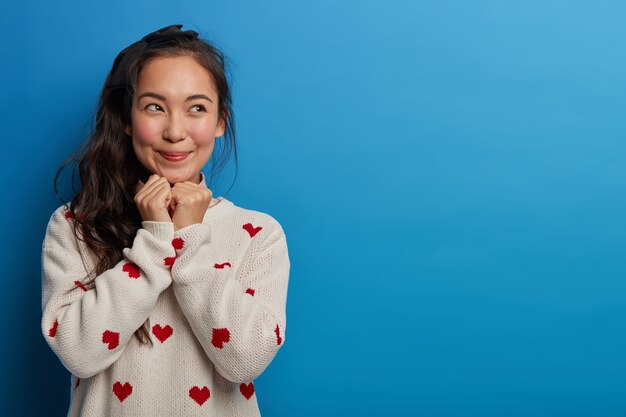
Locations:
{"points": [[88, 329], [237, 311]]}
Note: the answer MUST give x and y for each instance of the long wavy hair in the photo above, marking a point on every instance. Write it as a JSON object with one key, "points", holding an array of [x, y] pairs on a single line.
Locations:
{"points": [[105, 215]]}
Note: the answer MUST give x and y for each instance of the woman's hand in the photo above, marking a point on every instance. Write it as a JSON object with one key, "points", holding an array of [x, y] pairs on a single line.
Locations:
{"points": [[154, 198], [190, 201]]}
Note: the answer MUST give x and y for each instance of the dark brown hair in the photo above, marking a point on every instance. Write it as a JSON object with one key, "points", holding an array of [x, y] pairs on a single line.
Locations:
{"points": [[104, 210]]}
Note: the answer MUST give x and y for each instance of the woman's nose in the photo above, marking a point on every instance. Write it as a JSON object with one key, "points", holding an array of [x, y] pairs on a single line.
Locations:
{"points": [[175, 129]]}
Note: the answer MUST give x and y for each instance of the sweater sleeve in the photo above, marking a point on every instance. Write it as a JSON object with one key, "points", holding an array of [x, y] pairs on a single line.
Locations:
{"points": [[88, 329], [236, 309]]}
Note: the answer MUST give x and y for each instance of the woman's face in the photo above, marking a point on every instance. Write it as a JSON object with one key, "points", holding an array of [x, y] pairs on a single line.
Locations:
{"points": [[175, 112]]}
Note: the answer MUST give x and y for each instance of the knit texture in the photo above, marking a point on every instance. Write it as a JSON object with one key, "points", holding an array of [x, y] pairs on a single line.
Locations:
{"points": [[215, 294]]}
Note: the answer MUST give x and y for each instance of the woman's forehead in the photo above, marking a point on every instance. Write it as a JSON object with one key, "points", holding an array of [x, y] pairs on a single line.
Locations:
{"points": [[175, 76]]}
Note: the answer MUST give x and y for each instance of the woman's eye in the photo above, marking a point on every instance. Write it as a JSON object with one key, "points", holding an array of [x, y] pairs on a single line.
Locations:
{"points": [[198, 108], [153, 106]]}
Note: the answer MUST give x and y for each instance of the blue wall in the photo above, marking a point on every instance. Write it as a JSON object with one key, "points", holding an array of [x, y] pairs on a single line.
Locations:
{"points": [[450, 176]]}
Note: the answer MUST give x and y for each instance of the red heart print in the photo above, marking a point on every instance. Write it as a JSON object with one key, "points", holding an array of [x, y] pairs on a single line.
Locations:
{"points": [[122, 391], [162, 333], [199, 395], [111, 338], [221, 266], [251, 229], [53, 330], [81, 285], [250, 291], [169, 261], [132, 270], [178, 243], [220, 336], [68, 214], [247, 390], [279, 339]]}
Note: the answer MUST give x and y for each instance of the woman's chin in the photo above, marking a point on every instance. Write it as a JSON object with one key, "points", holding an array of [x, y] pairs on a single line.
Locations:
{"points": [[174, 176], [174, 179]]}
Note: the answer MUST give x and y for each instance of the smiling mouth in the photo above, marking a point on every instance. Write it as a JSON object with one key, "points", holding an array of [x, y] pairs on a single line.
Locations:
{"points": [[174, 156]]}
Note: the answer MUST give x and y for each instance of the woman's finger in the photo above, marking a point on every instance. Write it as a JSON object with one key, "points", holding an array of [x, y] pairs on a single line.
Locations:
{"points": [[153, 182], [158, 192]]}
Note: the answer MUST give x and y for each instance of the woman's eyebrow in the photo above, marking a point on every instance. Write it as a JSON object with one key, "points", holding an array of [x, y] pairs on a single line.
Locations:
{"points": [[151, 94], [197, 97], [162, 98]]}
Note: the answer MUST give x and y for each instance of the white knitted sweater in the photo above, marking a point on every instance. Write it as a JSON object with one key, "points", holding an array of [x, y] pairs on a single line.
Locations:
{"points": [[215, 294]]}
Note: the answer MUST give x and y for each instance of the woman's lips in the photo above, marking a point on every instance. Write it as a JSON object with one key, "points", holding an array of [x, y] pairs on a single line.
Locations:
{"points": [[174, 156]]}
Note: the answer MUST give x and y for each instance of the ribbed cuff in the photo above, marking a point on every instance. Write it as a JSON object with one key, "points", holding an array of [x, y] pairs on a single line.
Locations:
{"points": [[161, 230]]}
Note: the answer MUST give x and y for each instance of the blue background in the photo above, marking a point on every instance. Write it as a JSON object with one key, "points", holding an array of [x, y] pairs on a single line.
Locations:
{"points": [[450, 176]]}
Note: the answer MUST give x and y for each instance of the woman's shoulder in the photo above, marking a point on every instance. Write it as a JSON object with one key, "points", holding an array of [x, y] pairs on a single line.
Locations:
{"points": [[60, 215], [58, 228], [256, 218]]}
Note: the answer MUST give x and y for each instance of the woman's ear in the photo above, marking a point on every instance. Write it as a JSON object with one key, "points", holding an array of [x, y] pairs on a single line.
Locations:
{"points": [[221, 125], [128, 130]]}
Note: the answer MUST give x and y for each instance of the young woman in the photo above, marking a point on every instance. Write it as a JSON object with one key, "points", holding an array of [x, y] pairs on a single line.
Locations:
{"points": [[158, 298]]}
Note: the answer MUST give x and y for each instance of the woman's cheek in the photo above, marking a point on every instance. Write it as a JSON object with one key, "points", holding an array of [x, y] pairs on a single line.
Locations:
{"points": [[147, 131], [202, 133]]}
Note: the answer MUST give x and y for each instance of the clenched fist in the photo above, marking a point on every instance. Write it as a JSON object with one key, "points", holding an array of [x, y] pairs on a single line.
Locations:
{"points": [[153, 199], [184, 204], [190, 201]]}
